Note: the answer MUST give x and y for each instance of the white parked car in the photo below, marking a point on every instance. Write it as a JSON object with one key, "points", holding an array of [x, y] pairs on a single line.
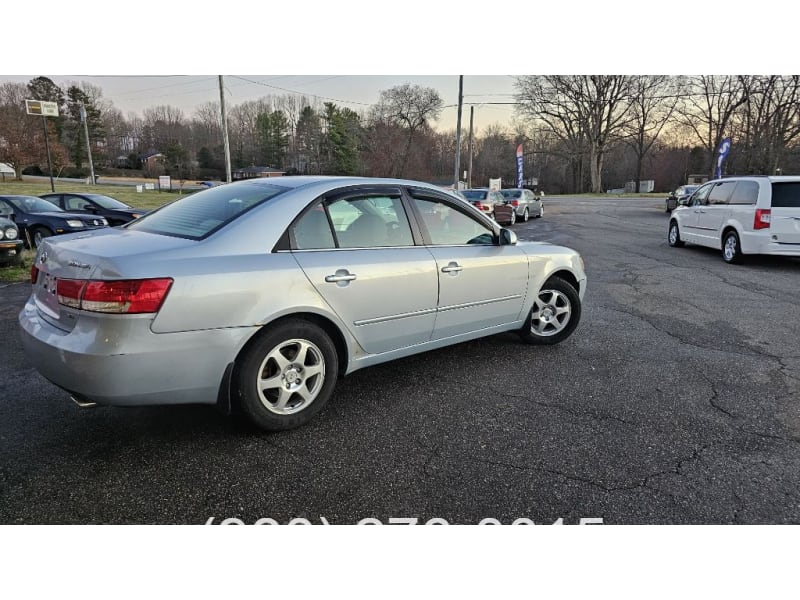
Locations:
{"points": [[741, 215]]}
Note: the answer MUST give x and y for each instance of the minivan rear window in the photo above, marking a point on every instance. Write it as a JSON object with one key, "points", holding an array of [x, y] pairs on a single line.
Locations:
{"points": [[201, 214], [786, 194]]}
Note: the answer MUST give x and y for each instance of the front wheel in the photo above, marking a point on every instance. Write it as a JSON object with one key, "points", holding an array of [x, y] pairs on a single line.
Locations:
{"points": [[731, 248], [541, 210], [554, 315], [674, 235], [39, 233], [286, 375]]}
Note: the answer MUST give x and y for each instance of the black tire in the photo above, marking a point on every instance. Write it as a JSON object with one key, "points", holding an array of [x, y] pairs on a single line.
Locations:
{"points": [[258, 365], [513, 217], [732, 248], [674, 237], [38, 234], [541, 210], [525, 215], [543, 328]]}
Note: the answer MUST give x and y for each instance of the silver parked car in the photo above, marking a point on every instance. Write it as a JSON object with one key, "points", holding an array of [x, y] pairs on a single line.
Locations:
{"points": [[525, 203], [258, 295]]}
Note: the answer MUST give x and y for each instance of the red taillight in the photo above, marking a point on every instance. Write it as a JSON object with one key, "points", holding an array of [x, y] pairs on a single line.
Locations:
{"points": [[34, 274], [479, 206], [69, 291], [762, 219], [515, 203], [125, 296]]}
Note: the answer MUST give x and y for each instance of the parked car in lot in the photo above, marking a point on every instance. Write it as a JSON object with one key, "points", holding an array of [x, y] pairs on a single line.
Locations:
{"points": [[526, 204], [114, 211], [258, 295], [679, 196], [38, 218], [10, 243], [484, 200], [741, 215]]}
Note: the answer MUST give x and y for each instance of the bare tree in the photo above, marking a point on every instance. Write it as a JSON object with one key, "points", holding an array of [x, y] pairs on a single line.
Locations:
{"points": [[653, 99], [411, 107], [584, 111], [768, 122], [709, 107]]}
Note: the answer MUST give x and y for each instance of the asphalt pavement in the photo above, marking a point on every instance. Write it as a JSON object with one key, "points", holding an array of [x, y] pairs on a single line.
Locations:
{"points": [[677, 400]]}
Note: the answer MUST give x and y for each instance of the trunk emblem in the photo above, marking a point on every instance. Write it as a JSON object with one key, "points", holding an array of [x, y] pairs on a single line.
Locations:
{"points": [[79, 265], [43, 258]]}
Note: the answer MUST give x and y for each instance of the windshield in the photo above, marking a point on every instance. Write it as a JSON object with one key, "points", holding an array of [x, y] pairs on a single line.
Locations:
{"points": [[511, 194], [475, 194], [32, 204], [201, 214], [107, 201]]}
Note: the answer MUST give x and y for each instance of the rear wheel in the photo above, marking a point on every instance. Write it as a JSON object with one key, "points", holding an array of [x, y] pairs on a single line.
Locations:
{"points": [[674, 235], [731, 248], [525, 215], [513, 218], [287, 375], [554, 315]]}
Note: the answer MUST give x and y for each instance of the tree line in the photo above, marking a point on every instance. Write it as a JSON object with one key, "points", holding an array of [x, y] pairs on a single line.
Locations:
{"points": [[579, 133]]}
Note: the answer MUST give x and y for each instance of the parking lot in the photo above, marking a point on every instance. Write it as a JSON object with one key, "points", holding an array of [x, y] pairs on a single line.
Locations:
{"points": [[677, 400]]}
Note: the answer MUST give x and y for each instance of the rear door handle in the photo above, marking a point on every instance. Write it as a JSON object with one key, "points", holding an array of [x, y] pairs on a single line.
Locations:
{"points": [[341, 276], [452, 267]]}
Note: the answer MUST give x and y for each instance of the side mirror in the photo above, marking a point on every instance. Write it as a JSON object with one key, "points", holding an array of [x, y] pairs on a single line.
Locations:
{"points": [[508, 237]]}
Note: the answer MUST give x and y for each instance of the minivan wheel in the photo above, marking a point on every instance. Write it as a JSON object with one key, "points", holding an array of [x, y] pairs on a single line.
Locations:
{"points": [[287, 375], [674, 235], [554, 315], [731, 248]]}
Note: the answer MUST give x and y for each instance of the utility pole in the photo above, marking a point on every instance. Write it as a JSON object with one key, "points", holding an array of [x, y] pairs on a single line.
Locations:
{"points": [[458, 130], [49, 162], [88, 145], [469, 171], [225, 131]]}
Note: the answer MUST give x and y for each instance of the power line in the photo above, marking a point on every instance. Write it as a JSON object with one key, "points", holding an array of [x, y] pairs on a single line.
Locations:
{"points": [[301, 93]]}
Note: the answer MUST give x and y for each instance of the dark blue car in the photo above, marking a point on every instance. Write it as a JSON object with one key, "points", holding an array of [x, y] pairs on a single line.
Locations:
{"points": [[38, 218], [115, 212]]}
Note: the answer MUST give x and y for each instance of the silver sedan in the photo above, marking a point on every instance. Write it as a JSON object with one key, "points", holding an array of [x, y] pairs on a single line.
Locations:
{"points": [[258, 295], [526, 204]]}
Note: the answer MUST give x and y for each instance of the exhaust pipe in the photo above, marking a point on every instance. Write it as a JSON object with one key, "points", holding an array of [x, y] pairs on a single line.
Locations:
{"points": [[83, 403]]}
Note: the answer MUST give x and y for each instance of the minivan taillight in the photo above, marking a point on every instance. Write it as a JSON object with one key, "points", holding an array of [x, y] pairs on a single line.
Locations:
{"points": [[762, 219], [129, 296]]}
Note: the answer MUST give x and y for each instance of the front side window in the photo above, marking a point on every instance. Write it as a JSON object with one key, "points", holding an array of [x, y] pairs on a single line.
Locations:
{"points": [[75, 203], [447, 226], [373, 221], [699, 197], [199, 215], [721, 192]]}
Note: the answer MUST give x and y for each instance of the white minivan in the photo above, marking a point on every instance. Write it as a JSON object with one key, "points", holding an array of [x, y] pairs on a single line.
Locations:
{"points": [[741, 215]]}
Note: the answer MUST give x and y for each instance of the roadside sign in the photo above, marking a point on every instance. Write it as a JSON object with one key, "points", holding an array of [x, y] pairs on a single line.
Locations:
{"points": [[164, 182], [41, 107]]}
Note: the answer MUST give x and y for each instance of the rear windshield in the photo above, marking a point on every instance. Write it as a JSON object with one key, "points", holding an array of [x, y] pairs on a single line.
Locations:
{"points": [[475, 194], [786, 194], [201, 214], [511, 194]]}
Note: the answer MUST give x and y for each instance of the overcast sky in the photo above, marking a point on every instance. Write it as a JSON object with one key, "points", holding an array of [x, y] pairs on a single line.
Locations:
{"points": [[134, 93], [348, 51]]}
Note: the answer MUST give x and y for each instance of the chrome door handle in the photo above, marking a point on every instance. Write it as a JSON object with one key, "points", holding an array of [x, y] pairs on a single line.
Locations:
{"points": [[453, 267], [339, 276]]}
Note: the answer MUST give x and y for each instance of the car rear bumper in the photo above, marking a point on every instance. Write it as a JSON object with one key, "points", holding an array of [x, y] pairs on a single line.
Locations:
{"points": [[129, 365], [760, 243]]}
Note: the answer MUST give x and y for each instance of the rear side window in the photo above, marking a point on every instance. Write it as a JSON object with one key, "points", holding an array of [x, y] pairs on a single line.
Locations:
{"points": [[786, 194], [746, 192], [201, 214]]}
